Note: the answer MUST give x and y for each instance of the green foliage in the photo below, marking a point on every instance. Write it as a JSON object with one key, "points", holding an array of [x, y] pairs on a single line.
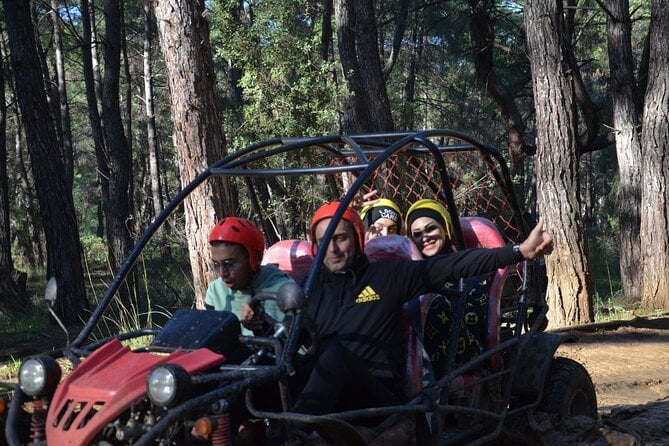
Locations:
{"points": [[611, 309], [287, 89], [31, 322], [9, 370], [95, 252], [29, 330]]}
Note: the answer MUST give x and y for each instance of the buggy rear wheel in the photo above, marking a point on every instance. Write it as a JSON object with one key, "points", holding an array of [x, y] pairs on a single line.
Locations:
{"points": [[568, 390]]}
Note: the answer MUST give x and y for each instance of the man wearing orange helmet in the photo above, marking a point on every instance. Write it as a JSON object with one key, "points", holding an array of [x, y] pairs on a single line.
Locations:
{"points": [[356, 307], [237, 248]]}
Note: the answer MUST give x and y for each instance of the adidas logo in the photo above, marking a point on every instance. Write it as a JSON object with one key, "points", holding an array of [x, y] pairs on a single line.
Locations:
{"points": [[367, 295]]}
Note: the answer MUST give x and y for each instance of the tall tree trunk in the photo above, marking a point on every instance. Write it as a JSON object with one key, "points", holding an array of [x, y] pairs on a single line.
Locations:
{"points": [[95, 59], [117, 208], [628, 144], [198, 136], [56, 203], [127, 114], [400, 23], [571, 285], [64, 112], [89, 63], [326, 30], [367, 108], [13, 297], [30, 238], [152, 139], [5, 235], [655, 143], [117, 156]]}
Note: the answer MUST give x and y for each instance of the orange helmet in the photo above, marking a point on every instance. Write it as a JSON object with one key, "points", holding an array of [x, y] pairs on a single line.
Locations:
{"points": [[327, 211], [242, 232]]}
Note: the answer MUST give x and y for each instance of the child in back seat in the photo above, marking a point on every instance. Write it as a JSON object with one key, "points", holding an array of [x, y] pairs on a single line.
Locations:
{"points": [[429, 226]]}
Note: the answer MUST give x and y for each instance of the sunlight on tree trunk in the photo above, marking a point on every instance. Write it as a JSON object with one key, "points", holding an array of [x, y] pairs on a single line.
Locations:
{"points": [[570, 287], [151, 136], [655, 143], [198, 134], [367, 108], [628, 144]]}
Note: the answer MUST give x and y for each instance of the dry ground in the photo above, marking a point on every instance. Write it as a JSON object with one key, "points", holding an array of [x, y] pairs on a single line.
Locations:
{"points": [[629, 365]]}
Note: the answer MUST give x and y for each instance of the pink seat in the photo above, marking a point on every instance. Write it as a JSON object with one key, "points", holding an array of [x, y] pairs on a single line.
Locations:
{"points": [[391, 247], [292, 256]]}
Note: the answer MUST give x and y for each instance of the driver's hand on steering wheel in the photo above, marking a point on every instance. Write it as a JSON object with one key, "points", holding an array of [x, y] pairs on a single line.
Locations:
{"points": [[253, 320]]}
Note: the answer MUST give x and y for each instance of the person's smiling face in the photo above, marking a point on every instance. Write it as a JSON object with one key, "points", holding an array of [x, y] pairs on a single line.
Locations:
{"points": [[231, 262], [428, 235]]}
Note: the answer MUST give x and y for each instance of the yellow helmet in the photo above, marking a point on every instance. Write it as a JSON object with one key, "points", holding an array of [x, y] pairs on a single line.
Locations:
{"points": [[427, 207], [383, 207]]}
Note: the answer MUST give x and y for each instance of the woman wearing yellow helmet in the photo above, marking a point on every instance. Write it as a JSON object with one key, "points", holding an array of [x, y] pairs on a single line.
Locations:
{"points": [[430, 227]]}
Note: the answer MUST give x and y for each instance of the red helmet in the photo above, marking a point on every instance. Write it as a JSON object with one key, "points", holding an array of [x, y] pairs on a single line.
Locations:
{"points": [[242, 232], [327, 211]]}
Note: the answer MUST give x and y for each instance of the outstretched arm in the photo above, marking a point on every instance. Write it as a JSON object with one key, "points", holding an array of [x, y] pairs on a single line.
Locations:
{"points": [[538, 243]]}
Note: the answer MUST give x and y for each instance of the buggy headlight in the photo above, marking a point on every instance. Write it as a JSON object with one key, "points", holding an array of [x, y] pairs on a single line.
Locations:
{"points": [[39, 376], [167, 384]]}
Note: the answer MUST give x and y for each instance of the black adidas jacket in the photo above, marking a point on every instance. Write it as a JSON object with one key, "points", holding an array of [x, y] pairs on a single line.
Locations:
{"points": [[360, 307]]}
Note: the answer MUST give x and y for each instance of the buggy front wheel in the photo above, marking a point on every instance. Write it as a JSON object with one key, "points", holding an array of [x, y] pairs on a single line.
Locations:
{"points": [[568, 390]]}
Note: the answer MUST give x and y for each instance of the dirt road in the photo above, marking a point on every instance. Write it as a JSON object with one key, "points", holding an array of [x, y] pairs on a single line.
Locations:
{"points": [[629, 365]]}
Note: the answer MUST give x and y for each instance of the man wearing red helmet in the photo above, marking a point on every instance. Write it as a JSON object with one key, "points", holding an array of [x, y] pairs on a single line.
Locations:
{"points": [[356, 307], [237, 248]]}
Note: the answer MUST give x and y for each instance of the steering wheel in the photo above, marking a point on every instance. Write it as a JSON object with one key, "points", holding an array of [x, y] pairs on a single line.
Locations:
{"points": [[310, 341], [268, 321]]}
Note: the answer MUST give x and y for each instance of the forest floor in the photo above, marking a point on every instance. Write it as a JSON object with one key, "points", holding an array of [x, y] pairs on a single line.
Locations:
{"points": [[627, 360]]}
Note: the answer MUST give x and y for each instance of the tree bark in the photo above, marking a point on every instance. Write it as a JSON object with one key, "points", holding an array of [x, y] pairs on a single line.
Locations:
{"points": [[415, 54], [152, 138], [198, 136], [55, 199], [367, 108], [628, 143], [64, 107], [571, 285], [89, 64], [5, 234], [400, 23], [655, 143], [117, 156], [13, 297], [30, 239]]}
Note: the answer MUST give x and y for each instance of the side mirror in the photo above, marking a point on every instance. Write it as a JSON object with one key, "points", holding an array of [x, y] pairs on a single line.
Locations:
{"points": [[290, 298], [50, 294], [51, 291]]}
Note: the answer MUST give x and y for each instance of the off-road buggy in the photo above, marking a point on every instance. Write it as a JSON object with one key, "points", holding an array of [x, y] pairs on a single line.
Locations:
{"points": [[196, 379]]}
